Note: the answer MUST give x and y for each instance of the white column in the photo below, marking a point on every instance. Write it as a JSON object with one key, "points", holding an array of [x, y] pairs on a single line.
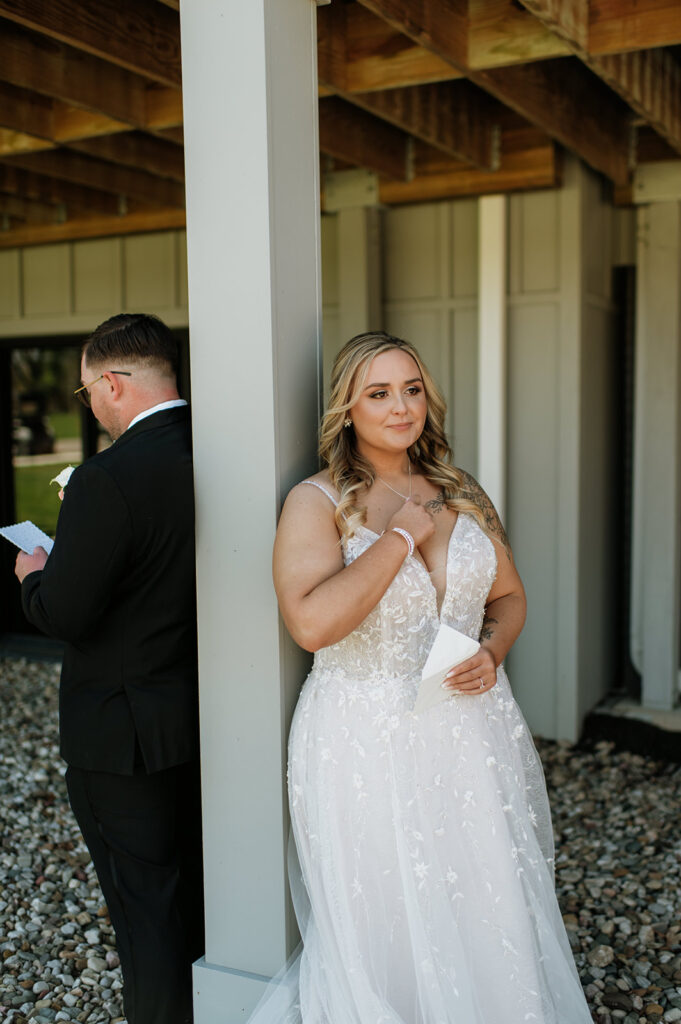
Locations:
{"points": [[492, 261], [250, 121], [657, 483]]}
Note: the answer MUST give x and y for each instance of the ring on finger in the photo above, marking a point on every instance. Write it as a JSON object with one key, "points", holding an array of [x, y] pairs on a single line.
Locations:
{"points": [[482, 683]]}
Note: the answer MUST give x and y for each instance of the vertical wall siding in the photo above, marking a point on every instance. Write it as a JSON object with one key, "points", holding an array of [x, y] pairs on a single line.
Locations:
{"points": [[430, 297], [71, 287]]}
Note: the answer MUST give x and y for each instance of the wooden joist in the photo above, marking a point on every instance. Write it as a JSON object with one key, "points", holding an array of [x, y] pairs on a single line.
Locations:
{"points": [[134, 149], [500, 32], [140, 35], [93, 227], [616, 26], [41, 187], [30, 211], [106, 177], [440, 26], [455, 117], [362, 53], [649, 81], [526, 162], [53, 69], [559, 96], [350, 134]]}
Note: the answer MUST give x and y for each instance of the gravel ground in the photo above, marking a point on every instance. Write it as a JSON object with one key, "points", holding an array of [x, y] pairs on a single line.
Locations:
{"points": [[618, 870]]}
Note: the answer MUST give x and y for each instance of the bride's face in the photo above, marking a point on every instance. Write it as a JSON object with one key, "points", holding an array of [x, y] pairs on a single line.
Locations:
{"points": [[391, 410]]}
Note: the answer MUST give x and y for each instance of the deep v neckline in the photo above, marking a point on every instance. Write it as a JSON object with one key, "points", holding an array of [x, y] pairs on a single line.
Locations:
{"points": [[419, 561]]}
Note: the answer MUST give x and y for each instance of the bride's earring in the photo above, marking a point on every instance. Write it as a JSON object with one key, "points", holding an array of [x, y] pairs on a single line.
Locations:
{"points": [[347, 422]]}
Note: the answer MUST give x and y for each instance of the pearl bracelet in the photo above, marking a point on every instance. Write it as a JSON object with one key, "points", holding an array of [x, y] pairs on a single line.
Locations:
{"points": [[407, 536]]}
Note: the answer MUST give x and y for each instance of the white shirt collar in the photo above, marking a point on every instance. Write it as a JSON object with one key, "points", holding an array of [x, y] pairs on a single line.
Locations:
{"points": [[173, 404]]}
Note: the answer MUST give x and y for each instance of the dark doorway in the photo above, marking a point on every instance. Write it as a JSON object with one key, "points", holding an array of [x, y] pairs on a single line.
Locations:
{"points": [[624, 295]]}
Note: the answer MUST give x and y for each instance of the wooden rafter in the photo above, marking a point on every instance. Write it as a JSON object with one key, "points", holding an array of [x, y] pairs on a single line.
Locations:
{"points": [[134, 149], [139, 35], [455, 117], [501, 33], [362, 53], [350, 134], [98, 174], [53, 69], [616, 26], [440, 26], [528, 160], [649, 81], [559, 97], [30, 211], [93, 227], [16, 182]]}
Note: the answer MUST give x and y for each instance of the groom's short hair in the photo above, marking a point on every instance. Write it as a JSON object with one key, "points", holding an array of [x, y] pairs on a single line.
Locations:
{"points": [[133, 337]]}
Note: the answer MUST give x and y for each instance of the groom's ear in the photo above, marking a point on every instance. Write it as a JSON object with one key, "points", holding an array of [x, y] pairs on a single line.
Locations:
{"points": [[115, 383]]}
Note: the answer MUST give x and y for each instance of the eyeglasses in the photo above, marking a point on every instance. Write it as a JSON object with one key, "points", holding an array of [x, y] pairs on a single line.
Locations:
{"points": [[82, 393]]}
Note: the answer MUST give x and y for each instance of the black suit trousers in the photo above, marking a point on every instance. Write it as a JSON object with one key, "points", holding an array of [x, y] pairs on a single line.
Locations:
{"points": [[144, 835]]}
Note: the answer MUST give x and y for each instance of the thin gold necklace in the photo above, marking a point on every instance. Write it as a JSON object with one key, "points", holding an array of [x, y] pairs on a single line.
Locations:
{"points": [[405, 496]]}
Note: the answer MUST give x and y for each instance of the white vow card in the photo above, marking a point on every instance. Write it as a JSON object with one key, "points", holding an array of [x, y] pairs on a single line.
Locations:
{"points": [[27, 536], [450, 648]]}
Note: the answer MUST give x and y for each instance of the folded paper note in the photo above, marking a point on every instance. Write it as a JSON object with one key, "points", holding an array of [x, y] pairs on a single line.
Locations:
{"points": [[450, 648], [63, 478], [27, 536]]}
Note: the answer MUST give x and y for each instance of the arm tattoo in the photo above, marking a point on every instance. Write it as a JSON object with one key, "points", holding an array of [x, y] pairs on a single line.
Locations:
{"points": [[487, 632], [472, 490]]}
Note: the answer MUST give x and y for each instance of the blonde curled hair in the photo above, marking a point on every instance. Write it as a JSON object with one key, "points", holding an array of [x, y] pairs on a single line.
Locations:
{"points": [[350, 472]]}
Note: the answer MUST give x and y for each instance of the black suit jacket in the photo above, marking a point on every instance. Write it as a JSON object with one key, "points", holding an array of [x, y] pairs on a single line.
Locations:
{"points": [[119, 588]]}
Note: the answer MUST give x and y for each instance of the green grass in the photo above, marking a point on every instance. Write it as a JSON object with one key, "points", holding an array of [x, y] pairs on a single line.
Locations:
{"points": [[65, 424], [36, 498]]}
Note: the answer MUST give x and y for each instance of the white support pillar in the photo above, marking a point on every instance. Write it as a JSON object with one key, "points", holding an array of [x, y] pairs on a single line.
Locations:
{"points": [[250, 121], [492, 261], [656, 629]]}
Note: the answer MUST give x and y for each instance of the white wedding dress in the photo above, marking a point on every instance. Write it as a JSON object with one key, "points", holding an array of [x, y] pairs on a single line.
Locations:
{"points": [[425, 883]]}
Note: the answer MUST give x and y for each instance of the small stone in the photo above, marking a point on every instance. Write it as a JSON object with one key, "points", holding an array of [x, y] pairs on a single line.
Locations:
{"points": [[601, 956]]}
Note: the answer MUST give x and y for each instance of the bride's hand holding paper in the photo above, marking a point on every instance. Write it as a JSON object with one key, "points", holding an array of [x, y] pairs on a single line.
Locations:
{"points": [[476, 674]]}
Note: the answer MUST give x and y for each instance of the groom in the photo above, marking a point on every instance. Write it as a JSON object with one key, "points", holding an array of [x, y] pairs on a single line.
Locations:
{"points": [[119, 588]]}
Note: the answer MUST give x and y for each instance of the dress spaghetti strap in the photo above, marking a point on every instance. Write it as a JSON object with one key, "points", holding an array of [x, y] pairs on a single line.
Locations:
{"points": [[313, 483]]}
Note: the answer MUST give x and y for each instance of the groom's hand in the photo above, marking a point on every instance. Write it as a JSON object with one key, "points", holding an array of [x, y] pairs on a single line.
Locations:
{"points": [[29, 563]]}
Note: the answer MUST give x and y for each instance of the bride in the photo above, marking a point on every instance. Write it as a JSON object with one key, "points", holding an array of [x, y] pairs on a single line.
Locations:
{"points": [[425, 888]]}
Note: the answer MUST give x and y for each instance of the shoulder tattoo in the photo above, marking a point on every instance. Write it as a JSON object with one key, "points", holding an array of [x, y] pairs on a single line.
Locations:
{"points": [[472, 490]]}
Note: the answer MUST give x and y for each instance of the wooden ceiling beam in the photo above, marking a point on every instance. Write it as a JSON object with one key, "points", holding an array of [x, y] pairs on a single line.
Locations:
{"points": [[19, 142], [174, 135], [350, 134], [98, 174], [562, 99], [501, 33], [30, 211], [440, 26], [649, 81], [557, 96], [616, 26], [534, 164], [139, 35], [24, 111], [93, 227], [455, 117], [134, 149], [366, 54], [53, 69], [17, 182], [163, 108]]}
